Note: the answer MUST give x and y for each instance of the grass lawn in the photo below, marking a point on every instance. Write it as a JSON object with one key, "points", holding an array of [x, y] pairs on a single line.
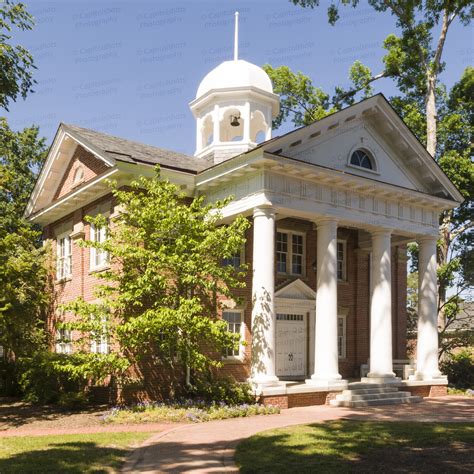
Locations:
{"points": [[369, 447], [84, 453]]}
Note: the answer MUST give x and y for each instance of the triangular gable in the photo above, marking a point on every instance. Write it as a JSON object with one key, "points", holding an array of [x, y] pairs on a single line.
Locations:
{"points": [[373, 124], [296, 290], [67, 152]]}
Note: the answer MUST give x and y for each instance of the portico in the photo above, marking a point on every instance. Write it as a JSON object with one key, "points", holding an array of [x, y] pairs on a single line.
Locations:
{"points": [[326, 374], [288, 179]]}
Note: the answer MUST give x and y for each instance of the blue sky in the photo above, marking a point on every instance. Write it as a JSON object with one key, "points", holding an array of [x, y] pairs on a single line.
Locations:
{"points": [[131, 68]]}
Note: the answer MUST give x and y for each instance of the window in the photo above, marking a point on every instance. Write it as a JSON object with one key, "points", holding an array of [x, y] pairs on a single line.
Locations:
{"points": [[99, 342], [235, 261], [78, 175], [362, 159], [290, 253], [63, 341], [341, 337], [99, 258], [341, 260], [63, 256], [234, 324]]}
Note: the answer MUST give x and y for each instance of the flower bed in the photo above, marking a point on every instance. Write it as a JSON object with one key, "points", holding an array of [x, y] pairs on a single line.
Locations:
{"points": [[190, 411]]}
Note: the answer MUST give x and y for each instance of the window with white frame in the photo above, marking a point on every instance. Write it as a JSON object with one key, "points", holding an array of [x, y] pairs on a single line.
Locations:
{"points": [[63, 341], [98, 258], [233, 318], [290, 252], [341, 260], [341, 336], [63, 256], [100, 342]]}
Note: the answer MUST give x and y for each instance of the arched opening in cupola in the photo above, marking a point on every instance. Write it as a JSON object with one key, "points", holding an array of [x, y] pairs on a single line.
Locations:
{"points": [[232, 126]]}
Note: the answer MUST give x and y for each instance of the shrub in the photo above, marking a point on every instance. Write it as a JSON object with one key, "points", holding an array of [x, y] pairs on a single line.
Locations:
{"points": [[225, 390], [460, 369], [42, 382]]}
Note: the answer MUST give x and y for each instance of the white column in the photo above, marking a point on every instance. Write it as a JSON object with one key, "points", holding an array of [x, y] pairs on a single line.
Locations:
{"points": [[263, 300], [246, 117], [427, 346], [199, 144], [381, 356], [326, 359], [216, 138]]}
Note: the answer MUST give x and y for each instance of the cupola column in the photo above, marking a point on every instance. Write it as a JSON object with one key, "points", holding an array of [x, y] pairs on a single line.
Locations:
{"points": [[216, 124]]}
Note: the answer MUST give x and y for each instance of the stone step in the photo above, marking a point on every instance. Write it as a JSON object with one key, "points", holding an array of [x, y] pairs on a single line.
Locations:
{"points": [[365, 385], [362, 391], [366, 403], [373, 396]]}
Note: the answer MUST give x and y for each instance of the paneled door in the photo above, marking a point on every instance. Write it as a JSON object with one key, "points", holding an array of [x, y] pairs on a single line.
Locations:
{"points": [[290, 345]]}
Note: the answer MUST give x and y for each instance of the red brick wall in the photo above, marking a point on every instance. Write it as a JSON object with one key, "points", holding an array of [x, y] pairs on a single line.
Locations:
{"points": [[293, 400], [427, 390], [91, 166]]}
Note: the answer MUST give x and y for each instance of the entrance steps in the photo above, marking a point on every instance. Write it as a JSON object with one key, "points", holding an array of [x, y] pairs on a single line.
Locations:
{"points": [[362, 394]]}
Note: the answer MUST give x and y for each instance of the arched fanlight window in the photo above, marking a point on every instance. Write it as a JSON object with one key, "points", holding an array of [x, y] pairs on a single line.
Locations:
{"points": [[362, 159], [78, 175]]}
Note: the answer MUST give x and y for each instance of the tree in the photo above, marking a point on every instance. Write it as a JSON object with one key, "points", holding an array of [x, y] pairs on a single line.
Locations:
{"points": [[413, 60], [163, 292], [16, 63], [23, 274]]}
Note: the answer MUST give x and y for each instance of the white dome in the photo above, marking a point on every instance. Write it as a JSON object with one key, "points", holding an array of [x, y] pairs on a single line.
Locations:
{"points": [[238, 73]]}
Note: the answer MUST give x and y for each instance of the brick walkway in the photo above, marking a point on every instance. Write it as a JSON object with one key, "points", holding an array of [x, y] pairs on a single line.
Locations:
{"points": [[209, 447]]}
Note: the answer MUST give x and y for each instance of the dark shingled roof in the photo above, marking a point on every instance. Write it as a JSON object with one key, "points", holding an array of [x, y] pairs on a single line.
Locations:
{"points": [[129, 151]]}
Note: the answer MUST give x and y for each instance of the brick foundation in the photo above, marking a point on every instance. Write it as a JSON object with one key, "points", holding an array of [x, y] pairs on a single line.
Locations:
{"points": [[427, 391], [293, 400]]}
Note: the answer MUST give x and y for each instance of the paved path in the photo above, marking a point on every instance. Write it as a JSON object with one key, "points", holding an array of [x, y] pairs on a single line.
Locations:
{"points": [[209, 447]]}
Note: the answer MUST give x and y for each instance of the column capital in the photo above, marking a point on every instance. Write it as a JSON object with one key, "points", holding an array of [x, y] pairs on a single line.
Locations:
{"points": [[325, 220], [264, 211], [380, 231], [428, 239]]}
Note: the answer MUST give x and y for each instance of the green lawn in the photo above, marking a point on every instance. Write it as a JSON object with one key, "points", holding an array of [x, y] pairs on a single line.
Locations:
{"points": [[84, 453], [369, 447]]}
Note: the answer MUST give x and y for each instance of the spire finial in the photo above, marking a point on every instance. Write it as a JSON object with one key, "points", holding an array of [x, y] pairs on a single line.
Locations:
{"points": [[236, 37]]}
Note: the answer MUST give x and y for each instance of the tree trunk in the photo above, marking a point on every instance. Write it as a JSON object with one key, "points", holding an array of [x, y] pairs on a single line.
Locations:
{"points": [[431, 114]]}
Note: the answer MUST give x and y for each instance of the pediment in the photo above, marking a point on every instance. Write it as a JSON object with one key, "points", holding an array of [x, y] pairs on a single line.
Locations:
{"points": [[70, 164], [296, 290], [400, 159], [335, 150]]}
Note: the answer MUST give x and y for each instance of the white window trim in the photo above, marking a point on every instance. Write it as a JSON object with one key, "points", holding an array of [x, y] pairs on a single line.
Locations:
{"points": [[59, 274], [93, 252], [99, 347], [344, 259], [289, 254], [63, 345], [240, 356], [343, 355], [375, 164]]}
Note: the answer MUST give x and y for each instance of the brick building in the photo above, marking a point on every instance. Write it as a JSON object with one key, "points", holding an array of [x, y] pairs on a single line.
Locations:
{"points": [[333, 206]]}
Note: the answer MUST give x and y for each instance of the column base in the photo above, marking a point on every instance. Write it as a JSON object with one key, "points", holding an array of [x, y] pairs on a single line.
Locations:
{"points": [[265, 381], [436, 377], [329, 383]]}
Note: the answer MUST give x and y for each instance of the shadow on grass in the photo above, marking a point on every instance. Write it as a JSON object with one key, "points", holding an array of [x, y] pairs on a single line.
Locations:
{"points": [[67, 457], [14, 414], [349, 446]]}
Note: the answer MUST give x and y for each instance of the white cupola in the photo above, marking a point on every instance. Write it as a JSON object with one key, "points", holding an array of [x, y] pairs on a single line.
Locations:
{"points": [[234, 108]]}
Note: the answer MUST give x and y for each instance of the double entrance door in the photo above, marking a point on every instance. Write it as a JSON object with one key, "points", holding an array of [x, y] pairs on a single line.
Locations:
{"points": [[291, 336]]}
